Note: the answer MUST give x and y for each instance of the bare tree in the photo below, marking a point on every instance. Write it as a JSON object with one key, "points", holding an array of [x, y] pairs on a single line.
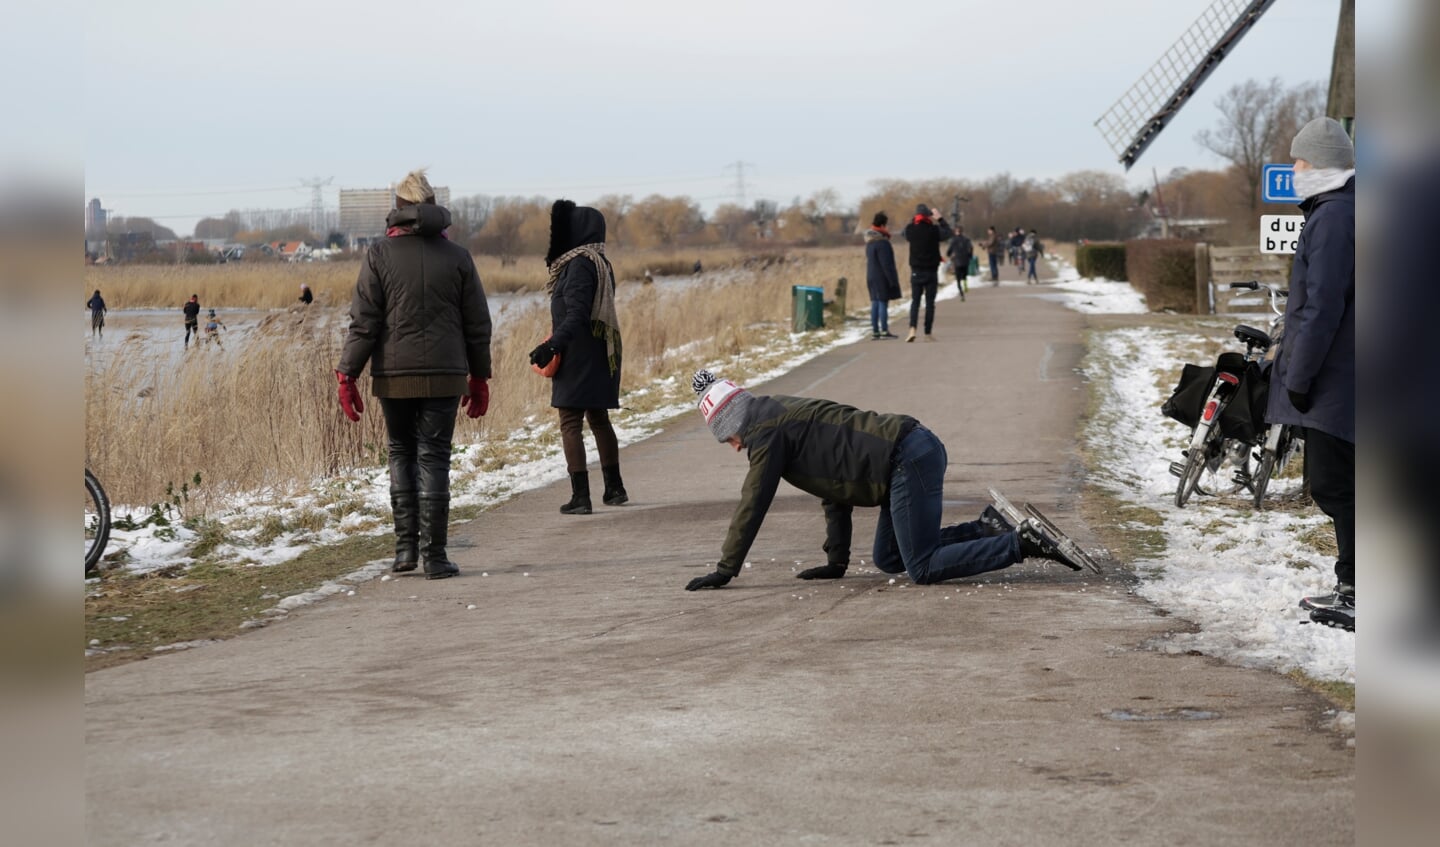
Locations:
{"points": [[1255, 121]]}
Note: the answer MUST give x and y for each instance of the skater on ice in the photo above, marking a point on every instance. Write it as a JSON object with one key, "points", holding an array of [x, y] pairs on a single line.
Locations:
{"points": [[849, 457]]}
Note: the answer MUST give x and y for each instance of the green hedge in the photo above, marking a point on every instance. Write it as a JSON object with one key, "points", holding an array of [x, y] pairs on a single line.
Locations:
{"points": [[1164, 271], [1101, 261]]}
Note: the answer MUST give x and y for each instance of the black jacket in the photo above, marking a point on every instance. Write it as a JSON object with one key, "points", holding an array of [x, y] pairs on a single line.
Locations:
{"points": [[881, 278], [418, 308], [584, 380], [925, 239], [960, 250]]}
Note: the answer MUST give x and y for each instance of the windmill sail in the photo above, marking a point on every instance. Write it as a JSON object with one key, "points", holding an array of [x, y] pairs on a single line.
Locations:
{"points": [[1137, 117]]}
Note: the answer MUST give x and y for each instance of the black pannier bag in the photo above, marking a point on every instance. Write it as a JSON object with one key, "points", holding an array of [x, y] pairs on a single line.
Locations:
{"points": [[1243, 417]]}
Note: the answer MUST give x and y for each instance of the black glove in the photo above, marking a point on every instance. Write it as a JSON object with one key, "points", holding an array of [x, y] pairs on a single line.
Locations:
{"points": [[823, 572], [541, 355], [1300, 401], [709, 580]]}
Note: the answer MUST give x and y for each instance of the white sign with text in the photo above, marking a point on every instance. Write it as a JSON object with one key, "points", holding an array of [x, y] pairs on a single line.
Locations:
{"points": [[1280, 233]]}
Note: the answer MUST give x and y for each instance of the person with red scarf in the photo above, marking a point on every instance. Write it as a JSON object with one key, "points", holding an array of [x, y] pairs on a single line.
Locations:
{"points": [[925, 233], [881, 277]]}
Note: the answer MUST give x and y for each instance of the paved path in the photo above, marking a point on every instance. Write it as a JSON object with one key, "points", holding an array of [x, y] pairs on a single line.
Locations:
{"points": [[590, 700]]}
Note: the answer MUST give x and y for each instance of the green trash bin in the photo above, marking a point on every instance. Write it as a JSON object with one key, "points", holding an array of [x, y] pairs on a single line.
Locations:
{"points": [[808, 307]]}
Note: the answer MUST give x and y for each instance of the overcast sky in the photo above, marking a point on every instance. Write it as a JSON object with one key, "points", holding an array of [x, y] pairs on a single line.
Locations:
{"points": [[192, 109]]}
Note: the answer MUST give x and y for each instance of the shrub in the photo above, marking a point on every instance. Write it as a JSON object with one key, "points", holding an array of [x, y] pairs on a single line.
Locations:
{"points": [[1102, 261], [1164, 271]]}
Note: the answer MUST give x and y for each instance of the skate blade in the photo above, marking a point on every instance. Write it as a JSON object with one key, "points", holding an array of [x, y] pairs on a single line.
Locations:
{"points": [[1067, 546]]}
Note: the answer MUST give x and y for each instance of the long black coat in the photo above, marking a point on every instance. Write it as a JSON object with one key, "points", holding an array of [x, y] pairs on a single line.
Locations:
{"points": [[584, 380]]}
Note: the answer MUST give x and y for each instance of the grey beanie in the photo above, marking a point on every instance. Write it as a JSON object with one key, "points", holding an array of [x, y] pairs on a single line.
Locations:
{"points": [[1324, 144], [723, 404]]}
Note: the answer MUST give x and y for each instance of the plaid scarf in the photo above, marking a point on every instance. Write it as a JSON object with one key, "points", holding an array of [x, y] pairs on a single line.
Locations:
{"points": [[604, 322]]}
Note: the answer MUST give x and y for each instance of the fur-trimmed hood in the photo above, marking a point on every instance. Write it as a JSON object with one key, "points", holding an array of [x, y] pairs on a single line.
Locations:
{"points": [[571, 226]]}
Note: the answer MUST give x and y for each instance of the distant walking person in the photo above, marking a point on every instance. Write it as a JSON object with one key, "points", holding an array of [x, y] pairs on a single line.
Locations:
{"points": [[1017, 244], [585, 335], [96, 305], [925, 234], [881, 277], [213, 325], [994, 247], [420, 319], [960, 252], [1032, 249], [192, 319], [1316, 367]]}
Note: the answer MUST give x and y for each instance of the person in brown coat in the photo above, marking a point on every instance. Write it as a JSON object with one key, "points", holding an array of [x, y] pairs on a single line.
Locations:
{"points": [[419, 317]]}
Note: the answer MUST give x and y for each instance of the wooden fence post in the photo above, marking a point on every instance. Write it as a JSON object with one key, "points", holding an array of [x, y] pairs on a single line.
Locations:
{"points": [[1202, 279]]}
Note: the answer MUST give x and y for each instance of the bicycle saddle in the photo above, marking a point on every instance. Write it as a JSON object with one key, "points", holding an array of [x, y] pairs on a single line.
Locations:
{"points": [[1253, 337]]}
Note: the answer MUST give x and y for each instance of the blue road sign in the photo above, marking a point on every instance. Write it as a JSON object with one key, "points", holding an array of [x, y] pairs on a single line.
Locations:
{"points": [[1279, 182]]}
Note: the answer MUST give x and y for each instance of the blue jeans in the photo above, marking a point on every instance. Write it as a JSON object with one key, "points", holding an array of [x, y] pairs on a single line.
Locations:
{"points": [[908, 536], [879, 316], [923, 284], [994, 266], [1031, 260]]}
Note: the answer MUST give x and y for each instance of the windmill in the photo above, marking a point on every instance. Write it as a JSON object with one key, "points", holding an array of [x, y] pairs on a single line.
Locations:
{"points": [[1152, 102]]}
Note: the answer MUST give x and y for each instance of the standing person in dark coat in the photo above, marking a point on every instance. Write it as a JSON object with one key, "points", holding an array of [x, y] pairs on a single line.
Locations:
{"points": [[925, 233], [881, 277], [96, 305], [420, 319], [994, 248], [585, 334], [191, 309], [1313, 383], [960, 251]]}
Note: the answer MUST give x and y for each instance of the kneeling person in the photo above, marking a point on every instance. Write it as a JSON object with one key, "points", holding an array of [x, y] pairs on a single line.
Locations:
{"points": [[849, 457]]}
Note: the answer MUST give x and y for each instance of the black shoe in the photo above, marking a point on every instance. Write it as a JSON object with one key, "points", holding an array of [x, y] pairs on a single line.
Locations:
{"points": [[995, 523], [1340, 617], [579, 495], [1343, 596], [614, 487], [1036, 543], [888, 334], [876, 336]]}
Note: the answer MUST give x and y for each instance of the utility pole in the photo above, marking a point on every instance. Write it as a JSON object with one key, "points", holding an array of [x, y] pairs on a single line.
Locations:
{"points": [[317, 203], [739, 168]]}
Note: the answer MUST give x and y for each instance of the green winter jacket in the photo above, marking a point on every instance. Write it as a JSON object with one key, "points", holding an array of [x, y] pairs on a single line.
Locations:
{"points": [[841, 454]]}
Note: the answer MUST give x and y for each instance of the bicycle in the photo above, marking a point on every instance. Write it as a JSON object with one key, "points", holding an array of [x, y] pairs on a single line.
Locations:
{"points": [[1278, 444], [1211, 452], [97, 521]]}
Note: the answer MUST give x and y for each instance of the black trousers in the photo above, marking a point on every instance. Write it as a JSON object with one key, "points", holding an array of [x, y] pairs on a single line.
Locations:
{"points": [[1330, 467], [924, 283], [419, 432]]}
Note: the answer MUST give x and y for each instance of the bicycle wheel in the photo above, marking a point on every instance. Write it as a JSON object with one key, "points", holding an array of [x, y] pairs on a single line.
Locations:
{"points": [[1204, 446], [1278, 444], [97, 521], [1228, 471]]}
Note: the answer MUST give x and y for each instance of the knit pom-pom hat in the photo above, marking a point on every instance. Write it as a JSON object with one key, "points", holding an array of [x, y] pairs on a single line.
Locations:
{"points": [[723, 404]]}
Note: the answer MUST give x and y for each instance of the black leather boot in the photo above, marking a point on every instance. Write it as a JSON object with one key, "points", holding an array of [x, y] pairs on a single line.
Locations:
{"points": [[406, 507], [579, 495], [434, 532], [614, 489]]}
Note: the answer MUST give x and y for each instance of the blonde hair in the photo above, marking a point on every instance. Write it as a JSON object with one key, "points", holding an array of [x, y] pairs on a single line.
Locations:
{"points": [[415, 188]]}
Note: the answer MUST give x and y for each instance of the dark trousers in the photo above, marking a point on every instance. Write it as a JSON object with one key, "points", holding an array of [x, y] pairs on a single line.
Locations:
{"points": [[573, 442], [419, 432], [924, 283], [1330, 467], [994, 266]]}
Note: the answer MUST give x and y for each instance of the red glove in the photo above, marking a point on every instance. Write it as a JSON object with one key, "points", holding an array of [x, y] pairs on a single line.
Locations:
{"points": [[477, 402], [350, 397]]}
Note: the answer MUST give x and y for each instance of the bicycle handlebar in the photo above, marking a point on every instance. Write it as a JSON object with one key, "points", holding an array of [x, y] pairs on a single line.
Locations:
{"points": [[1251, 285]]}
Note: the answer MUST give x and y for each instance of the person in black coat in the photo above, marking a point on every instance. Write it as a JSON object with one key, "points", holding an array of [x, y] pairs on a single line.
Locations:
{"points": [[1313, 381], [925, 233], [585, 335], [960, 251], [881, 277]]}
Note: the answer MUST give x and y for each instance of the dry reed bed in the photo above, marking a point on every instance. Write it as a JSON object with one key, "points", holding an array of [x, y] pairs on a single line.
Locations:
{"points": [[265, 416], [273, 285]]}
